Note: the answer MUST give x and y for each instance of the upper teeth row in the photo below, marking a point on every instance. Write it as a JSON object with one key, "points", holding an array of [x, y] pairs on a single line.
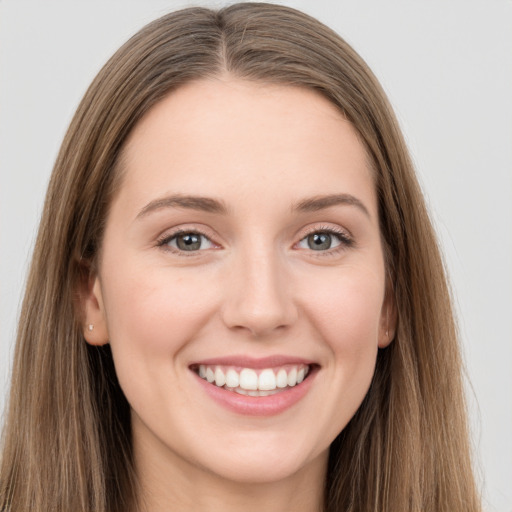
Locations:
{"points": [[248, 379]]}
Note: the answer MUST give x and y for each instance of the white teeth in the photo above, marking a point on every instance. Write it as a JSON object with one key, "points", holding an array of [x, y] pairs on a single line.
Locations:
{"points": [[248, 382], [232, 380], [248, 379], [220, 379], [267, 380], [282, 378], [268, 393], [292, 377]]}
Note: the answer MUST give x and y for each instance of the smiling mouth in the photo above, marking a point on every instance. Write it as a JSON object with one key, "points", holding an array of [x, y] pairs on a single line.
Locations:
{"points": [[254, 382]]}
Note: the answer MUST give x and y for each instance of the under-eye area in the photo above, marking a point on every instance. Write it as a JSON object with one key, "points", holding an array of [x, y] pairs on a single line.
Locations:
{"points": [[255, 382]]}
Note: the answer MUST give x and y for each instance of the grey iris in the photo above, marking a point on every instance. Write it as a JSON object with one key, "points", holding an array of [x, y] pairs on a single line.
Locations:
{"points": [[188, 242], [319, 241]]}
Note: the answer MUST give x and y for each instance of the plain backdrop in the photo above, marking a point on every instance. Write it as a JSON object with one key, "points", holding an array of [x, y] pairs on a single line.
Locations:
{"points": [[447, 68]]}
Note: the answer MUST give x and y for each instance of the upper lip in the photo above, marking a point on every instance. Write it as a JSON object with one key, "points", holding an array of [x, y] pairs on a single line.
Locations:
{"points": [[245, 361]]}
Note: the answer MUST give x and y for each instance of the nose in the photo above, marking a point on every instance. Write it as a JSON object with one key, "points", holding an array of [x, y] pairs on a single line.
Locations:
{"points": [[259, 299]]}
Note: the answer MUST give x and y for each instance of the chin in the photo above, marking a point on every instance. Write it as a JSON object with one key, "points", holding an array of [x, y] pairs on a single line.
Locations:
{"points": [[262, 463], [259, 471]]}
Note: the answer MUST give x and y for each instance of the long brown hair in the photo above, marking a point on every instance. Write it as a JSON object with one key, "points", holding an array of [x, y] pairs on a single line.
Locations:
{"points": [[67, 436]]}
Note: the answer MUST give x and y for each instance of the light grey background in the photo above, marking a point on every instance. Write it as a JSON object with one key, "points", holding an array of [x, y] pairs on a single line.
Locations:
{"points": [[447, 67]]}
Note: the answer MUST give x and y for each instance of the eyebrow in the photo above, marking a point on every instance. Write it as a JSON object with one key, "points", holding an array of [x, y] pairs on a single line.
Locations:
{"points": [[210, 205], [317, 203], [204, 204]]}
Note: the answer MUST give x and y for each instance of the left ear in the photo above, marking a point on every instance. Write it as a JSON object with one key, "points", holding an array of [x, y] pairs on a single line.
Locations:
{"points": [[388, 319]]}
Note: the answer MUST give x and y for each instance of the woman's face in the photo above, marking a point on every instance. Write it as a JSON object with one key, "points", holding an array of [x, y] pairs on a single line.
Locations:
{"points": [[242, 246]]}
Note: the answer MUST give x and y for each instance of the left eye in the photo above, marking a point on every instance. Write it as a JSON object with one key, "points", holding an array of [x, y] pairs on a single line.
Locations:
{"points": [[189, 241], [320, 241]]}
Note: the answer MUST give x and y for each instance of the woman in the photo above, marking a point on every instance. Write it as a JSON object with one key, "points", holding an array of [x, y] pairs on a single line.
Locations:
{"points": [[236, 297]]}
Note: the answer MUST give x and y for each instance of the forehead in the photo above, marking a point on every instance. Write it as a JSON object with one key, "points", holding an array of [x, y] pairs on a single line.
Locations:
{"points": [[221, 135]]}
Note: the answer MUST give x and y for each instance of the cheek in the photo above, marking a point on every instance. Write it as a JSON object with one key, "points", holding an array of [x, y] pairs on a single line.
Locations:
{"points": [[347, 310], [152, 315], [346, 313]]}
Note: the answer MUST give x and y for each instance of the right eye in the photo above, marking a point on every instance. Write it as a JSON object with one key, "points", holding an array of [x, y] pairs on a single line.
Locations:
{"points": [[187, 241]]}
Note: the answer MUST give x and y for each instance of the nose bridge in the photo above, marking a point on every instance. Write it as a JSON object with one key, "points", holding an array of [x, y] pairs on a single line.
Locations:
{"points": [[259, 298]]}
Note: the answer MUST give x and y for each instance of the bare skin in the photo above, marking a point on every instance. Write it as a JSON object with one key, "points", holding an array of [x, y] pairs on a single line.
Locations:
{"points": [[246, 224]]}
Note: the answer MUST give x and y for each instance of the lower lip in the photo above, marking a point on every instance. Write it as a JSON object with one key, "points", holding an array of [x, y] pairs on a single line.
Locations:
{"points": [[258, 405]]}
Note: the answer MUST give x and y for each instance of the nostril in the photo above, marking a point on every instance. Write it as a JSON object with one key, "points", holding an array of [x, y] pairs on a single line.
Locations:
{"points": [[260, 321]]}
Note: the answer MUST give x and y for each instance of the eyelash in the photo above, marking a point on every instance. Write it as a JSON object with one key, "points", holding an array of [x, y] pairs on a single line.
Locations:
{"points": [[345, 240], [163, 241]]}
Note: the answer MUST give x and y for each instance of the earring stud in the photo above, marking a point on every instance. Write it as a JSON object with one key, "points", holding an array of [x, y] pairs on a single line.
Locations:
{"points": [[90, 327]]}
